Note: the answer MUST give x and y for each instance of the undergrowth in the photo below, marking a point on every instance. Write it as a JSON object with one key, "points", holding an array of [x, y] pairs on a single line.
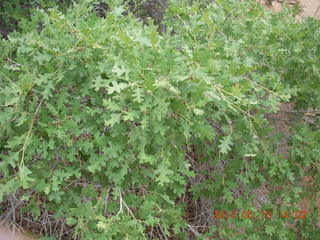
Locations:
{"points": [[110, 130]]}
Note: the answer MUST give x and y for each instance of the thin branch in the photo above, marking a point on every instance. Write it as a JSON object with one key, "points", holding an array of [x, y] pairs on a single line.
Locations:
{"points": [[316, 12], [29, 133]]}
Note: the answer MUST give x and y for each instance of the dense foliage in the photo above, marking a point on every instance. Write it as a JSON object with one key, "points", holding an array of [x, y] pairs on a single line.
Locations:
{"points": [[116, 130]]}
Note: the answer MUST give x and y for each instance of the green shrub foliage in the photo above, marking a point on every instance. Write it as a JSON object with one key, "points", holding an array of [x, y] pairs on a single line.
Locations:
{"points": [[99, 118]]}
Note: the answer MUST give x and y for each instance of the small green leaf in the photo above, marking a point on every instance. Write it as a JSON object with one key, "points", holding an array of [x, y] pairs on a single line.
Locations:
{"points": [[115, 118], [154, 36], [236, 91], [116, 87], [226, 144], [25, 179], [270, 230], [163, 173], [198, 111]]}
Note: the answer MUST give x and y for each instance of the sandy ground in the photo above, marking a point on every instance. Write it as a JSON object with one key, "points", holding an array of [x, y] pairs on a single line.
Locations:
{"points": [[310, 8]]}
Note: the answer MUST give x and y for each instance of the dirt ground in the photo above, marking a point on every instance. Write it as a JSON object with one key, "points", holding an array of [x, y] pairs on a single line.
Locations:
{"points": [[310, 8]]}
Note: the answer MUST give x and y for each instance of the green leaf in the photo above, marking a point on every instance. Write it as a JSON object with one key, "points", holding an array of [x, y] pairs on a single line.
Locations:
{"points": [[16, 141], [154, 36], [236, 91], [124, 37], [225, 144], [116, 87], [138, 95], [115, 119], [228, 196], [119, 69], [24, 176], [270, 230], [163, 173], [198, 111]]}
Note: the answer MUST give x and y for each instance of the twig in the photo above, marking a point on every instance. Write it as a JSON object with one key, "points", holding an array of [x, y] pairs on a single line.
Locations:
{"points": [[316, 12], [193, 230], [121, 208], [29, 133], [165, 237]]}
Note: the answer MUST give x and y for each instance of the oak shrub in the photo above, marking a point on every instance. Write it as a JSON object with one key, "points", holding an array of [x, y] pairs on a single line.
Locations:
{"points": [[99, 117]]}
